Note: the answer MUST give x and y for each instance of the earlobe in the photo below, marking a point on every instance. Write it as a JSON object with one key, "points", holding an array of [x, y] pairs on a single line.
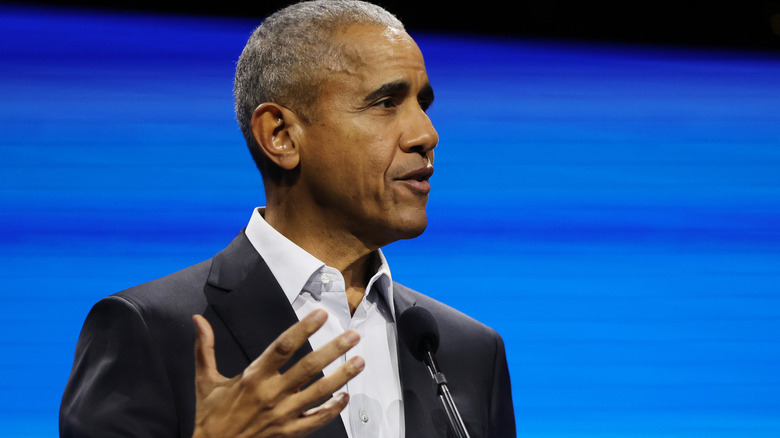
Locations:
{"points": [[272, 126]]}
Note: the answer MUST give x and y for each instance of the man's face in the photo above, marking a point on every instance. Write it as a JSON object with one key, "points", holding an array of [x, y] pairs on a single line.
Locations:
{"points": [[367, 155]]}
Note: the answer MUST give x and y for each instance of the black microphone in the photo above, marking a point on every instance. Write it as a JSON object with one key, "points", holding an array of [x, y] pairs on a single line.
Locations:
{"points": [[418, 330]]}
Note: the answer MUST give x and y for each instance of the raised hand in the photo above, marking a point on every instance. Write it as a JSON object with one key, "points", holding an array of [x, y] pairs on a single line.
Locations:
{"points": [[262, 402]]}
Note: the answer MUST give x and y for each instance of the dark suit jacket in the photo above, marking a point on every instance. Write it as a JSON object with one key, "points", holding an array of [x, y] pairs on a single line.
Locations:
{"points": [[133, 373]]}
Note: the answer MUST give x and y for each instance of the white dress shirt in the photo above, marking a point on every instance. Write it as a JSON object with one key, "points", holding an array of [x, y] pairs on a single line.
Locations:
{"points": [[375, 407]]}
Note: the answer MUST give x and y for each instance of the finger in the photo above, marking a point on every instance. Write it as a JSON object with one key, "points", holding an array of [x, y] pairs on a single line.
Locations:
{"points": [[318, 417], [283, 347], [313, 363], [322, 389], [205, 362], [337, 403]]}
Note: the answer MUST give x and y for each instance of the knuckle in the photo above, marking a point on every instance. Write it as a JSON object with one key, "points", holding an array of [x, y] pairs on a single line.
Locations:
{"points": [[251, 388], [283, 346], [246, 383], [309, 368], [266, 399], [267, 395], [322, 388]]}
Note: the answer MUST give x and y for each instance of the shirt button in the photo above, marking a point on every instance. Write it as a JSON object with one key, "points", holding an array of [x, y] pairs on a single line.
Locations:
{"points": [[363, 417], [325, 278]]}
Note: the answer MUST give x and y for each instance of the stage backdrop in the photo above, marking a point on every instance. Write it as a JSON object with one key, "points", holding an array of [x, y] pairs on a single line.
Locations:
{"points": [[613, 211]]}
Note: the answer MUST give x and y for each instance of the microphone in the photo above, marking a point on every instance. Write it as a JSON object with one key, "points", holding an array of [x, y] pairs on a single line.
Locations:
{"points": [[417, 328]]}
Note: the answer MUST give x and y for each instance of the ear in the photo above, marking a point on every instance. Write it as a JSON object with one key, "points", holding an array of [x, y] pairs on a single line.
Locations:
{"points": [[272, 127]]}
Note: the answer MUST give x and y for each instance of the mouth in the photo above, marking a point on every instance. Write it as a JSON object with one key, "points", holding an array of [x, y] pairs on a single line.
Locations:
{"points": [[417, 179]]}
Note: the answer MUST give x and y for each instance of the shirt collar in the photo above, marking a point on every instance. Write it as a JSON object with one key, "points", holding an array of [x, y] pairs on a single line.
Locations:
{"points": [[292, 266]]}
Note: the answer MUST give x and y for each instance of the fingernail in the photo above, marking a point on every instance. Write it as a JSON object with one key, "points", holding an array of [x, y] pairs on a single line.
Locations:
{"points": [[358, 363], [351, 337]]}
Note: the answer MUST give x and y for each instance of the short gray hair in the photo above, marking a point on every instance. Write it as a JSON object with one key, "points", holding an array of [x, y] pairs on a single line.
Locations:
{"points": [[288, 55]]}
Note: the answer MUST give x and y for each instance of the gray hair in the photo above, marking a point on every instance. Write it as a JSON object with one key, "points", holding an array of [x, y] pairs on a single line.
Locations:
{"points": [[288, 55]]}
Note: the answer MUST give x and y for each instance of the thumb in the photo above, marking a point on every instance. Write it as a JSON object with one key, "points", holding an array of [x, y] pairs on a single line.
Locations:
{"points": [[206, 374]]}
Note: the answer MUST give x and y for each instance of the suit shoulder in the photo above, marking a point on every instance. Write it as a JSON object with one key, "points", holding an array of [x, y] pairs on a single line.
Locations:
{"points": [[178, 295], [449, 319]]}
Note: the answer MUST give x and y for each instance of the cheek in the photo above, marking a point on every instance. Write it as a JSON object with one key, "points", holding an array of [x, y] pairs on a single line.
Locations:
{"points": [[379, 163], [361, 154], [373, 155]]}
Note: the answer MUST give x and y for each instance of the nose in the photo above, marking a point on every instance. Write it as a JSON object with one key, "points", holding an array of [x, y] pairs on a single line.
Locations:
{"points": [[419, 135]]}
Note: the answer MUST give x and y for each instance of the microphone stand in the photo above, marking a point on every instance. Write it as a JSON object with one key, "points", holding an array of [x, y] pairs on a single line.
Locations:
{"points": [[456, 422]]}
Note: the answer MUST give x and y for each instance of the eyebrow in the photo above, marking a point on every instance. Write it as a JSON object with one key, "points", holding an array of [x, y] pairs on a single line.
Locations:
{"points": [[400, 87], [426, 94], [388, 89]]}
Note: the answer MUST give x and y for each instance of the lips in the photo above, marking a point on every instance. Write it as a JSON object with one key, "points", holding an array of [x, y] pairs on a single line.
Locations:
{"points": [[417, 179], [420, 174]]}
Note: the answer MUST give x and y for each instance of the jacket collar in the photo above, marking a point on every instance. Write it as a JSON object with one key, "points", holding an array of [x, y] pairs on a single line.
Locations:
{"points": [[255, 310], [423, 413]]}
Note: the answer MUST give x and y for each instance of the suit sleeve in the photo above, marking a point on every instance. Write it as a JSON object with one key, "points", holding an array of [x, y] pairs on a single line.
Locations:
{"points": [[502, 413], [118, 385]]}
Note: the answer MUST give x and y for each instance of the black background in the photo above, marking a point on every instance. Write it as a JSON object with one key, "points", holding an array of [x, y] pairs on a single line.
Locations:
{"points": [[726, 24]]}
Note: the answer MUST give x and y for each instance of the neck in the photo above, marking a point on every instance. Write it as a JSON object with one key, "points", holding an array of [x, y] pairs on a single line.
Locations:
{"points": [[332, 245]]}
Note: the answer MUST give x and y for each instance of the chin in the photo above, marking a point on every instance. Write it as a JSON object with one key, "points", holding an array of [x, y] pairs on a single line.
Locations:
{"points": [[393, 227], [411, 233], [410, 227]]}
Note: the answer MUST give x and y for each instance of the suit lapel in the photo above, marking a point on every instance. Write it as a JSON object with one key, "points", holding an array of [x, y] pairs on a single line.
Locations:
{"points": [[423, 415], [248, 300], [255, 310]]}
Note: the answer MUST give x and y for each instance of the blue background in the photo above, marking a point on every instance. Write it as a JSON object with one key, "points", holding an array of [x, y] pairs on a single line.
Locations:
{"points": [[612, 210]]}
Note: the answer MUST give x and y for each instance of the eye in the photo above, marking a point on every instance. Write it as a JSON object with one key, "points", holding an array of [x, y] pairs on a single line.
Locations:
{"points": [[387, 102], [425, 98], [425, 103]]}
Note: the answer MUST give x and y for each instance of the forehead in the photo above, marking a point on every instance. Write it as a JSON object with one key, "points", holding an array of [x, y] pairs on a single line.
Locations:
{"points": [[373, 55], [368, 42]]}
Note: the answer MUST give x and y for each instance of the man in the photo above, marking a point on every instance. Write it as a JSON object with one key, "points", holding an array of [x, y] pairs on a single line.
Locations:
{"points": [[295, 321]]}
